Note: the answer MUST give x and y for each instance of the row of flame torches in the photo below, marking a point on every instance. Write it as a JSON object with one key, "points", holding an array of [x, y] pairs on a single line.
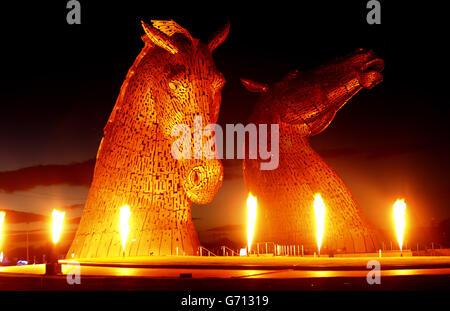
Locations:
{"points": [[319, 212], [57, 227]]}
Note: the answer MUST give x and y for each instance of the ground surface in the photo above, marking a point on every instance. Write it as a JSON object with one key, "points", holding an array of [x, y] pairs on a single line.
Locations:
{"points": [[235, 273]]}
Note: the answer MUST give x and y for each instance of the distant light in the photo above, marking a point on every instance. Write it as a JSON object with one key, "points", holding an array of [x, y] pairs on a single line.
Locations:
{"points": [[243, 252], [2, 219]]}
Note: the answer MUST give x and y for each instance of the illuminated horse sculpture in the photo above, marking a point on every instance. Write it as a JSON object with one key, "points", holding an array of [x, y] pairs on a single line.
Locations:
{"points": [[304, 104], [172, 80]]}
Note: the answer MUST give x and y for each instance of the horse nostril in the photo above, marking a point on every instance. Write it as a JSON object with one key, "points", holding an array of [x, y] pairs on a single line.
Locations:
{"points": [[195, 178]]}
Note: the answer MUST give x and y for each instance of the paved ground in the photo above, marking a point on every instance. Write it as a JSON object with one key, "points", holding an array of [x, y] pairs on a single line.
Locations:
{"points": [[279, 262], [235, 273]]}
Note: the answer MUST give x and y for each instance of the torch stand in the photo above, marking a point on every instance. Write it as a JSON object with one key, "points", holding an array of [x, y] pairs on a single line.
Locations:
{"points": [[52, 267]]}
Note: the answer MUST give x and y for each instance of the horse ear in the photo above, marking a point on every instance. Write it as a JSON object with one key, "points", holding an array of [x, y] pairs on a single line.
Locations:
{"points": [[254, 87], [218, 38], [159, 38], [170, 28]]}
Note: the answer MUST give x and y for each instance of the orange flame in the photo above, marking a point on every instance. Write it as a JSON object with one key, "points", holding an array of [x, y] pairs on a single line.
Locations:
{"points": [[57, 224], [319, 211], [124, 224], [399, 218], [251, 219]]}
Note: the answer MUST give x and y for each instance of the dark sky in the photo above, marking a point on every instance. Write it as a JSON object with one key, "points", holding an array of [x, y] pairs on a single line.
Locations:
{"points": [[59, 83]]}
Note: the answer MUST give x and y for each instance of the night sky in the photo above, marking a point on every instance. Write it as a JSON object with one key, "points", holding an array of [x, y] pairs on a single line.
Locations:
{"points": [[59, 83]]}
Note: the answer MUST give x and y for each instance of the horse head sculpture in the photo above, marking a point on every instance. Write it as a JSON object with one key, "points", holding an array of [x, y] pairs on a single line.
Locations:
{"points": [[172, 81], [304, 104]]}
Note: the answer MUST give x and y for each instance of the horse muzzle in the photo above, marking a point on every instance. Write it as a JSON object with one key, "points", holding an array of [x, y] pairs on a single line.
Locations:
{"points": [[201, 179]]}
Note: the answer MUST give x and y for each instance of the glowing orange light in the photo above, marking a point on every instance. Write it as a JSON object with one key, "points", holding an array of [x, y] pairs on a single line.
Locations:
{"points": [[124, 224], [57, 224], [251, 219], [2, 219], [319, 211], [399, 218]]}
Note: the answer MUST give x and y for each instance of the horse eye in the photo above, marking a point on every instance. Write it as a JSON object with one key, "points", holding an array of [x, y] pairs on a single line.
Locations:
{"points": [[178, 86], [173, 85]]}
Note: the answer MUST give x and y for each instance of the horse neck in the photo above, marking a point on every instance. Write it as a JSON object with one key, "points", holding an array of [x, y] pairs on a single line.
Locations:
{"points": [[292, 140], [121, 99]]}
